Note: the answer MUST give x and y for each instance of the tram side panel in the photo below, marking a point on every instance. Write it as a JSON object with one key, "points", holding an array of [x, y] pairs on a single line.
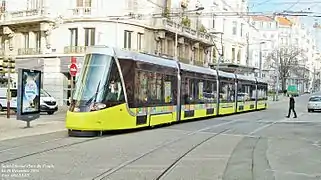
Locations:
{"points": [[262, 89], [198, 96], [246, 95], [152, 94], [226, 95]]}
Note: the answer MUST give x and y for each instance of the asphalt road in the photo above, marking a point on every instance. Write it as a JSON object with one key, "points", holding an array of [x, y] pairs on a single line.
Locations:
{"points": [[259, 145]]}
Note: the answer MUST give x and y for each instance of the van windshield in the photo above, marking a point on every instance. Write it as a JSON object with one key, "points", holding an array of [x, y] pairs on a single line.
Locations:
{"points": [[44, 93], [315, 99]]}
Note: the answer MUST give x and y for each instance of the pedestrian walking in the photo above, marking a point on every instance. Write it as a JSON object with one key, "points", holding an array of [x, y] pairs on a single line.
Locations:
{"points": [[291, 107]]}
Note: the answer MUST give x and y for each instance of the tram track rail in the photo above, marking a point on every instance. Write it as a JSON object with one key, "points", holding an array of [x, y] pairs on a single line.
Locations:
{"points": [[111, 171], [31, 144], [50, 149]]}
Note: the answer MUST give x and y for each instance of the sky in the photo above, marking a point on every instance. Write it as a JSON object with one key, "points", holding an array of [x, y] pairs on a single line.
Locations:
{"points": [[291, 5]]}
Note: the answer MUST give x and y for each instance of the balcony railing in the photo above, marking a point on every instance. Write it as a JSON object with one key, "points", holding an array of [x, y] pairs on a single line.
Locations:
{"points": [[27, 15], [29, 51], [80, 12], [75, 49], [186, 31]]}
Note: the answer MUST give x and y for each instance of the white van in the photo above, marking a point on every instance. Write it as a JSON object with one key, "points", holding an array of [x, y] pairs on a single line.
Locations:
{"points": [[3, 99], [47, 102]]}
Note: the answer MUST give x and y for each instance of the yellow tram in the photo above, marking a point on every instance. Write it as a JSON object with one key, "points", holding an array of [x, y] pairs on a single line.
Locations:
{"points": [[120, 89]]}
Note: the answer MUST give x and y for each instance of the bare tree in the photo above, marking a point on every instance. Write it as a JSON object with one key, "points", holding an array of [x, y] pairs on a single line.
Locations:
{"points": [[284, 60]]}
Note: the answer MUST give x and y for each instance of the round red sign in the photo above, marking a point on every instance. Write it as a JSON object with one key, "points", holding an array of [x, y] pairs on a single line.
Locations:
{"points": [[73, 69]]}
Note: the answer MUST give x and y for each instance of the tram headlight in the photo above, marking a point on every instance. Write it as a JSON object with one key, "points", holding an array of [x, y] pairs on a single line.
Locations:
{"points": [[97, 106]]}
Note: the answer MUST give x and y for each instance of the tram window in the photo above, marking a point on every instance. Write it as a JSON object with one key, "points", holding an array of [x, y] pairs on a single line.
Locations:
{"points": [[141, 88], [154, 89], [262, 92], [245, 92], [209, 91], [185, 91], [114, 88], [170, 89], [129, 76], [226, 92]]}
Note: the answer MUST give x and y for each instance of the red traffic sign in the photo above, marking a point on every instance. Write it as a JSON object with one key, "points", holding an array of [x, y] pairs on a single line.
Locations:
{"points": [[73, 69]]}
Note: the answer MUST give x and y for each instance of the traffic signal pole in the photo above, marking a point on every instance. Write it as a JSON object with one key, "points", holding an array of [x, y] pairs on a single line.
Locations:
{"points": [[9, 90]]}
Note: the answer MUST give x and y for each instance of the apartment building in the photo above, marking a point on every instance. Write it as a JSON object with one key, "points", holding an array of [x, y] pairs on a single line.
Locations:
{"points": [[234, 30], [44, 34], [278, 32]]}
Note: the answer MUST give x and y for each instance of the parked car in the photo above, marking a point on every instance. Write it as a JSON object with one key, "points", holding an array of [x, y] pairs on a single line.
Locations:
{"points": [[48, 103], [314, 103]]}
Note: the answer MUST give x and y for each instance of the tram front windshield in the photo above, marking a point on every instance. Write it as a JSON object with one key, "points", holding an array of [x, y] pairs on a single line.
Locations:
{"points": [[98, 85]]}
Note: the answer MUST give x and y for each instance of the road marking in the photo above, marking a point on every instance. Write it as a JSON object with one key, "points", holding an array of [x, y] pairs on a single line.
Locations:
{"points": [[262, 127], [295, 173]]}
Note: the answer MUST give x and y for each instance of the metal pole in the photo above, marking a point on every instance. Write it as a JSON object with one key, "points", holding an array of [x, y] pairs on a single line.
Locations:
{"points": [[116, 43], [178, 108], [8, 93], [71, 88], [260, 62], [277, 75], [221, 55]]}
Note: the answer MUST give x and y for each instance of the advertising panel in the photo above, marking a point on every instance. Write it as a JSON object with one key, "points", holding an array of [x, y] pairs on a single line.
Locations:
{"points": [[29, 93]]}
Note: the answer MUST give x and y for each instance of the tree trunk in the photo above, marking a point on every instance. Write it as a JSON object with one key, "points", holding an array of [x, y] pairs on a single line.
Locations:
{"points": [[283, 82]]}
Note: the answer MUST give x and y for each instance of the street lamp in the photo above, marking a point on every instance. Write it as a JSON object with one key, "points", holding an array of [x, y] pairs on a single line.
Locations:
{"points": [[222, 51], [260, 62]]}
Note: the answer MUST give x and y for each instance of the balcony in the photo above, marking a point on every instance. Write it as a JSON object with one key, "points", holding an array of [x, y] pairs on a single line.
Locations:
{"points": [[26, 16], [85, 12], [169, 25], [29, 51], [75, 49]]}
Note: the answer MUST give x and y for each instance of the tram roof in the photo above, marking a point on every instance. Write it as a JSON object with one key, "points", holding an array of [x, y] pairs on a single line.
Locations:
{"points": [[248, 78], [203, 70], [260, 80], [226, 74], [137, 56]]}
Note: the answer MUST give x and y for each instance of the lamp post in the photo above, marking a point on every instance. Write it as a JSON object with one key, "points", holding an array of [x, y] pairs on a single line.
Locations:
{"points": [[260, 62], [222, 51]]}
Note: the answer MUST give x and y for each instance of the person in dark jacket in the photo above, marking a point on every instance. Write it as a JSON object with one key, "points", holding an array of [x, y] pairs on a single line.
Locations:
{"points": [[291, 107]]}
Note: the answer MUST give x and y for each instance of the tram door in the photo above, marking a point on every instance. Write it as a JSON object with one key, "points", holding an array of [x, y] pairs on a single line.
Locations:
{"points": [[67, 88]]}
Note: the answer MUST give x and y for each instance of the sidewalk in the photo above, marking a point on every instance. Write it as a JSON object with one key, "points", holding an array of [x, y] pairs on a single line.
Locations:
{"points": [[12, 128]]}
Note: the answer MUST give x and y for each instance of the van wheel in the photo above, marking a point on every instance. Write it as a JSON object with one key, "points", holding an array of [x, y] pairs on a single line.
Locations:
{"points": [[50, 112]]}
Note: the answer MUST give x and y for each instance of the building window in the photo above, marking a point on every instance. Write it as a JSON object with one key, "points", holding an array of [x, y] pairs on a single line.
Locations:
{"points": [[233, 55], [140, 37], [234, 27], [90, 35], [128, 39], [223, 25], [83, 3], [3, 6], [213, 23], [73, 36], [38, 39], [242, 28], [26, 40]]}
